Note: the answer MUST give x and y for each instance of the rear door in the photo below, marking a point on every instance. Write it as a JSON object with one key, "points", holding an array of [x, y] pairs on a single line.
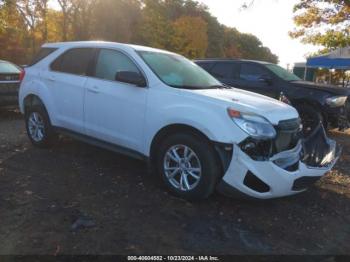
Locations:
{"points": [[66, 82], [256, 78]]}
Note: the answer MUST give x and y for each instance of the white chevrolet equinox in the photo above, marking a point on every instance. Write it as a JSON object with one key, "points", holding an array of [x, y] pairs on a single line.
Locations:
{"points": [[198, 134]]}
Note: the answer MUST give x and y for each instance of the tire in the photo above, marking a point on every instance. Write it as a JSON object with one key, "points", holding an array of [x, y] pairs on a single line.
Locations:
{"points": [[201, 171], [39, 128], [310, 118]]}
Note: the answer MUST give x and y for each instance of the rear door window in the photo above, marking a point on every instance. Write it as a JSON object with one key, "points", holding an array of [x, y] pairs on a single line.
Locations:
{"points": [[76, 61], [44, 52], [206, 65], [225, 70], [252, 72]]}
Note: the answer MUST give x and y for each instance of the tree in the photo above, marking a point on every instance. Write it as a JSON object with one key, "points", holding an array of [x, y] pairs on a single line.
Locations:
{"points": [[231, 43], [246, 46], [28, 11], [155, 29], [13, 34], [81, 18], [184, 26], [42, 9], [120, 24], [190, 36], [215, 35], [323, 22], [66, 8], [177, 8]]}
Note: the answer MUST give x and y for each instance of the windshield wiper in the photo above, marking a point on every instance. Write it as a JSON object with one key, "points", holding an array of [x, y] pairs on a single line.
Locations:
{"points": [[222, 86]]}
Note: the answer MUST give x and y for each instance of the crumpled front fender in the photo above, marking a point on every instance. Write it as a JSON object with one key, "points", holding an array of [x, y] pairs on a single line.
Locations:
{"points": [[319, 150], [285, 173]]}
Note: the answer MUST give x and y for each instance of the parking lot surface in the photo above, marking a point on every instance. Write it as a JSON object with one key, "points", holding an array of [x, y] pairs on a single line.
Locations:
{"points": [[78, 199]]}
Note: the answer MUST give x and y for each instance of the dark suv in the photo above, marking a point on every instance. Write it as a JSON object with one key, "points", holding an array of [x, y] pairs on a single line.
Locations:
{"points": [[315, 102]]}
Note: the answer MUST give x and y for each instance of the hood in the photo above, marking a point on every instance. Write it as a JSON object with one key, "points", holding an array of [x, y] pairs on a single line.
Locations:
{"points": [[248, 102], [341, 91]]}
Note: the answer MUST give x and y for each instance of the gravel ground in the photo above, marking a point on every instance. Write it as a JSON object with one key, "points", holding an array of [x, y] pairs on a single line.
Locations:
{"points": [[78, 199]]}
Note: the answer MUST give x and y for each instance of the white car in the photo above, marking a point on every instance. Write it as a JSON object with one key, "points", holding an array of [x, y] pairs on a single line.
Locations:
{"points": [[155, 105]]}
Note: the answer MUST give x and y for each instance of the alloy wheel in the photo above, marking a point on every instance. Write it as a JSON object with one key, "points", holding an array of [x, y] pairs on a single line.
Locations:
{"points": [[182, 167], [36, 126]]}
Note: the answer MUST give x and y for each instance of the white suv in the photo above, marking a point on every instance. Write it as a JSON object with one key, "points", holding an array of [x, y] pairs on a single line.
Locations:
{"points": [[155, 105]]}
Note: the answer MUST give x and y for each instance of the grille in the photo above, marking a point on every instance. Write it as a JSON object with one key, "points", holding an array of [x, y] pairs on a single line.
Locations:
{"points": [[288, 134]]}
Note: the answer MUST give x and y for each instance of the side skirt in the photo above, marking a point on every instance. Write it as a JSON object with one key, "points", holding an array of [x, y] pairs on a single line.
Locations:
{"points": [[102, 144]]}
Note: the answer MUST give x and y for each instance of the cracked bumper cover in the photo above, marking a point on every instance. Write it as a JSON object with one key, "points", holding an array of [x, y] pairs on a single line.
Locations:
{"points": [[311, 159]]}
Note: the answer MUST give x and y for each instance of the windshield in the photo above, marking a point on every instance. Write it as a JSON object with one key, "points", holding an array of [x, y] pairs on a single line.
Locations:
{"points": [[282, 73], [177, 71], [8, 68]]}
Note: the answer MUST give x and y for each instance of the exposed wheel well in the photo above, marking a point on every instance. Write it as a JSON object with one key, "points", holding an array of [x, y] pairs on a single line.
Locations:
{"points": [[173, 129], [221, 154]]}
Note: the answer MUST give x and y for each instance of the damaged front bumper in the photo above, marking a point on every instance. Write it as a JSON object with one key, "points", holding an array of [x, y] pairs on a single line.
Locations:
{"points": [[285, 173]]}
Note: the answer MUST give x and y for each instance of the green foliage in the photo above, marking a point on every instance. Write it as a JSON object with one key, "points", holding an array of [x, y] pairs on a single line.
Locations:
{"points": [[323, 22], [190, 36], [248, 46], [183, 26]]}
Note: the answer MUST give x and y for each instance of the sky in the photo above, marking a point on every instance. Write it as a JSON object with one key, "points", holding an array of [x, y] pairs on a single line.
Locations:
{"points": [[269, 20]]}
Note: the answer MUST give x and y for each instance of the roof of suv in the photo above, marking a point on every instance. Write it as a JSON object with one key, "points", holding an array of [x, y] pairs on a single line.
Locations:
{"points": [[102, 44], [230, 60]]}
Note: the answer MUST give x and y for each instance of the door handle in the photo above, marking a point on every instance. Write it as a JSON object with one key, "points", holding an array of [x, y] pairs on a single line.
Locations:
{"points": [[51, 78], [93, 89]]}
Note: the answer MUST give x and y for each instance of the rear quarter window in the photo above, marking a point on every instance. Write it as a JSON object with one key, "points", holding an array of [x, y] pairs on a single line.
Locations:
{"points": [[225, 70], [44, 52], [206, 65], [75, 61]]}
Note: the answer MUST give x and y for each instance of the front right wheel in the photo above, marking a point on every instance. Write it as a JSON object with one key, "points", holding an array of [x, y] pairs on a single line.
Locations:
{"points": [[188, 166]]}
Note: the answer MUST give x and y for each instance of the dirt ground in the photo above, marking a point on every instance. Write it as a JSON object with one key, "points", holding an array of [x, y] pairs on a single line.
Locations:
{"points": [[126, 211]]}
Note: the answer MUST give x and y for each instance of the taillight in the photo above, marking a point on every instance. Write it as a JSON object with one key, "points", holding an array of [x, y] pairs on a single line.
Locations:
{"points": [[21, 75]]}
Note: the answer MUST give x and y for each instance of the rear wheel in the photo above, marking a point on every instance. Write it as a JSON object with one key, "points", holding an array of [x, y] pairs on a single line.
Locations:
{"points": [[188, 166], [310, 118], [39, 129]]}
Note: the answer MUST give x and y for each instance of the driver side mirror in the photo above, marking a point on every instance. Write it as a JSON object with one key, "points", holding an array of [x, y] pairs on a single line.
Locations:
{"points": [[265, 79], [130, 77]]}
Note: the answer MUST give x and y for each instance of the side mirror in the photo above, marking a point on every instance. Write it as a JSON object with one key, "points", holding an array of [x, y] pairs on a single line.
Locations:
{"points": [[265, 79], [130, 77]]}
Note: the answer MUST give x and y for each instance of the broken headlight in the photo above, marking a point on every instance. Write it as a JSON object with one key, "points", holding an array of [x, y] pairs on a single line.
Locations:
{"points": [[254, 125], [336, 101]]}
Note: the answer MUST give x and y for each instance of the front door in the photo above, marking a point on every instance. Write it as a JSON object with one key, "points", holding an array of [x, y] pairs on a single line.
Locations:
{"points": [[255, 78], [115, 111]]}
